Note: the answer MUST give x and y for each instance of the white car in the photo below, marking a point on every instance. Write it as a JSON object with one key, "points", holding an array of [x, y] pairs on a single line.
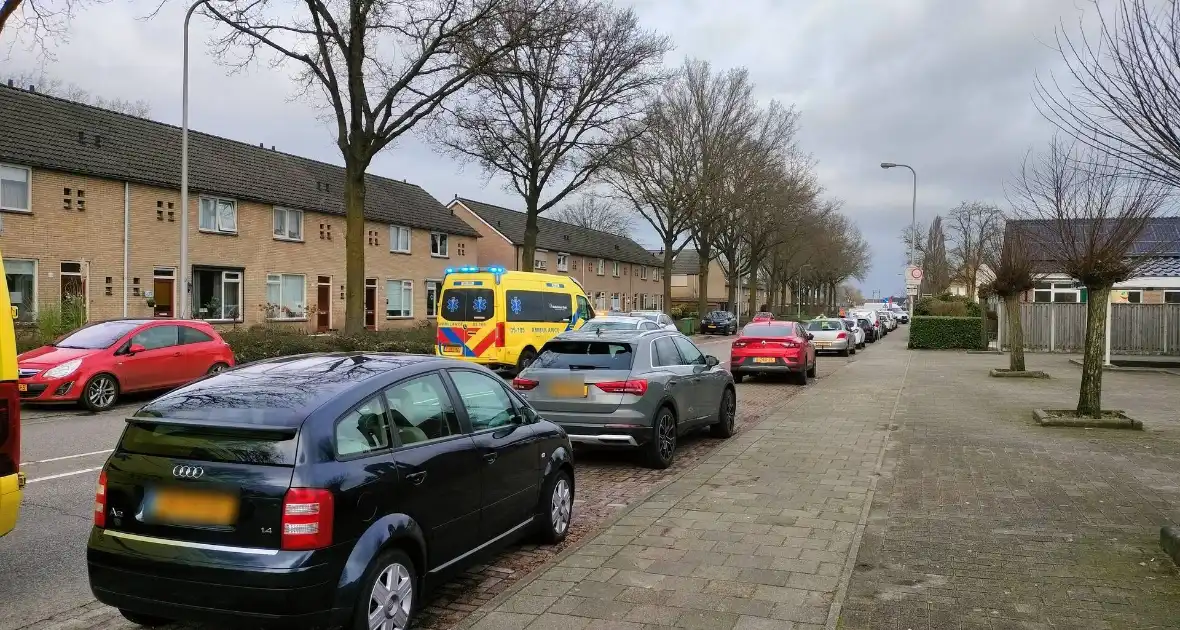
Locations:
{"points": [[619, 322], [661, 319], [888, 318], [858, 333]]}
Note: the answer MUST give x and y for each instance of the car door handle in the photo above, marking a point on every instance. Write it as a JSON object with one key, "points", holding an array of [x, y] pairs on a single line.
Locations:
{"points": [[490, 457], [416, 477]]}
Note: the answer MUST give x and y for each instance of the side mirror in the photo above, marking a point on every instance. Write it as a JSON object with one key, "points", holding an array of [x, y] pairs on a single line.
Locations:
{"points": [[711, 361], [135, 349], [810, 336]]}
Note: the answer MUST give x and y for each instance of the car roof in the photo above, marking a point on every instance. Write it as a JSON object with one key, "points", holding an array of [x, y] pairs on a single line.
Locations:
{"points": [[294, 386], [624, 335], [617, 318]]}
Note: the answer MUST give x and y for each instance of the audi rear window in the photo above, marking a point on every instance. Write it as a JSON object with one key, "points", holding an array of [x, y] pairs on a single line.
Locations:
{"points": [[209, 443], [585, 355]]}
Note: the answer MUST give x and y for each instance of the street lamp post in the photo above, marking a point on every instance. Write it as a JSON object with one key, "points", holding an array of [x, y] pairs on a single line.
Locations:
{"points": [[182, 310], [913, 215]]}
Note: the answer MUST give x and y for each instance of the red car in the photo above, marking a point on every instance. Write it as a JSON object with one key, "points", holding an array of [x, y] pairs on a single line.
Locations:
{"points": [[762, 316], [97, 363], [774, 347]]}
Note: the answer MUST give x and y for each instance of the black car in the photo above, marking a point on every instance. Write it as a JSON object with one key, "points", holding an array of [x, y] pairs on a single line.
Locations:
{"points": [[867, 326], [719, 322], [326, 490]]}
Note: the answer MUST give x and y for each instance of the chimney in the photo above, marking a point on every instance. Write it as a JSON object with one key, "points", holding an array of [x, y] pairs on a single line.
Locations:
{"points": [[260, 146], [33, 88], [272, 147], [10, 83]]}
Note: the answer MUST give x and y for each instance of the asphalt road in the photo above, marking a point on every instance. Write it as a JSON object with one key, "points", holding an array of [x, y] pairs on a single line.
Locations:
{"points": [[43, 561]]}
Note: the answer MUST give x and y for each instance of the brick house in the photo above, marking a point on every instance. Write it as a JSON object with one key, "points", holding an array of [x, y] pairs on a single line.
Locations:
{"points": [[616, 272], [686, 282], [89, 203]]}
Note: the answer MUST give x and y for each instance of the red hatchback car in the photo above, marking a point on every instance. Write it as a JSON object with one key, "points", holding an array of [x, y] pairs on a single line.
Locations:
{"points": [[773, 347], [96, 363]]}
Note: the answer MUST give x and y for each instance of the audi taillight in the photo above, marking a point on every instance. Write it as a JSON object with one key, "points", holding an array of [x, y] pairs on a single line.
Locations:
{"points": [[842, 335], [637, 387], [500, 334], [100, 500], [307, 519], [523, 384]]}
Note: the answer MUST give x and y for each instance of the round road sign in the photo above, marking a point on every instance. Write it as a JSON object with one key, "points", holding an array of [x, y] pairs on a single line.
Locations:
{"points": [[916, 273]]}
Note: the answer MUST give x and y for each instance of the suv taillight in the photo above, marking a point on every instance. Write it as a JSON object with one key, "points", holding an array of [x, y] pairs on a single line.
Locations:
{"points": [[307, 519], [523, 384], [637, 387], [100, 500]]}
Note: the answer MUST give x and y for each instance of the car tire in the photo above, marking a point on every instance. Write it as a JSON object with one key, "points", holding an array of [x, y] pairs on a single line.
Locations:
{"points": [[726, 423], [811, 371], [845, 352], [852, 350], [147, 621], [802, 378], [555, 511], [661, 448], [100, 393], [526, 358], [737, 378], [218, 367], [390, 568]]}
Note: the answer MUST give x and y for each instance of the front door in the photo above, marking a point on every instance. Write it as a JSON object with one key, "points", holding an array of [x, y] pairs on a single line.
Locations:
{"points": [[371, 303], [323, 304], [162, 290], [510, 484]]}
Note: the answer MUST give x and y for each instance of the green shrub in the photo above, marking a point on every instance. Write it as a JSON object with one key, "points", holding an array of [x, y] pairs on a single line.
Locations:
{"points": [[266, 342], [944, 333], [947, 305]]}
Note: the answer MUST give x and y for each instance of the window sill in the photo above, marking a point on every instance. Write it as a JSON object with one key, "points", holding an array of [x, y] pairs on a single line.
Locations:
{"points": [[288, 240], [433, 255], [403, 252], [286, 319], [220, 321], [390, 317], [16, 210], [217, 232]]}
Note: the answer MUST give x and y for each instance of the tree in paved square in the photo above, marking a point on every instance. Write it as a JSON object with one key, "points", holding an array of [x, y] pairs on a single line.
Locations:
{"points": [[1013, 267]]}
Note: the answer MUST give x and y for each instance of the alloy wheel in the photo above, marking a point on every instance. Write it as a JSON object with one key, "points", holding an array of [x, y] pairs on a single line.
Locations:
{"points": [[101, 393], [729, 409], [560, 506], [391, 599], [667, 436]]}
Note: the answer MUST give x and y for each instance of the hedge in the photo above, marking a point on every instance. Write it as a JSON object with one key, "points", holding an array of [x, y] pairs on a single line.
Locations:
{"points": [[944, 333], [266, 342]]}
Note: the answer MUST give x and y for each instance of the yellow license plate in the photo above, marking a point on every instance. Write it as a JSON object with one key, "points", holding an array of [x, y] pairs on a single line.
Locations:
{"points": [[822, 344], [452, 350], [568, 390], [765, 360], [193, 507], [21, 387]]}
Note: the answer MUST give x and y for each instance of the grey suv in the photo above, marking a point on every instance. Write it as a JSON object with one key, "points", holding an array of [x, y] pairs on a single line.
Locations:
{"points": [[630, 388]]}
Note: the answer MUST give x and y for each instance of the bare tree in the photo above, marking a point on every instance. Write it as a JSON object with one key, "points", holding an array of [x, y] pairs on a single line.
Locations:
{"points": [[1123, 91], [549, 115], [974, 228], [915, 235], [1014, 267], [593, 212], [1087, 214], [780, 220], [936, 270], [53, 86], [40, 23], [382, 66]]}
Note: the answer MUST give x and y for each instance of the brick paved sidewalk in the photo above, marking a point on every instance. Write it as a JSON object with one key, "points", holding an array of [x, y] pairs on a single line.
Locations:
{"points": [[759, 535]]}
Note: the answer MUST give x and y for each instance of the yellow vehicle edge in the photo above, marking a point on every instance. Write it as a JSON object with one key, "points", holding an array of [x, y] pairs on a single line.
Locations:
{"points": [[12, 481]]}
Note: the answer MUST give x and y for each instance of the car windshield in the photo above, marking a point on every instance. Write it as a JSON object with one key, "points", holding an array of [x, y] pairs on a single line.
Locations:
{"points": [[608, 325], [771, 330], [718, 315], [585, 355], [648, 316], [96, 336], [824, 324]]}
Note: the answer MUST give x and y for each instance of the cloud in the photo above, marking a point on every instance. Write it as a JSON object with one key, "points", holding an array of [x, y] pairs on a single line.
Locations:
{"points": [[943, 86]]}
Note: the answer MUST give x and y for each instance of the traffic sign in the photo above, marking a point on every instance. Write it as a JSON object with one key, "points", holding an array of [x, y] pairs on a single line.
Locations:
{"points": [[913, 276], [911, 290]]}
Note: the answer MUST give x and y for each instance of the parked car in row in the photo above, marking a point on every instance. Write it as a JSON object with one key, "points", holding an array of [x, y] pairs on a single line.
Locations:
{"points": [[874, 318], [762, 316], [901, 314], [660, 318], [831, 335], [719, 322], [330, 490], [97, 363], [858, 333], [889, 320], [871, 333], [773, 348], [630, 388], [619, 322]]}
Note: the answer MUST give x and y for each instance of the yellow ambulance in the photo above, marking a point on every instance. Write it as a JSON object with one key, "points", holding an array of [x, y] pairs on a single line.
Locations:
{"points": [[11, 479]]}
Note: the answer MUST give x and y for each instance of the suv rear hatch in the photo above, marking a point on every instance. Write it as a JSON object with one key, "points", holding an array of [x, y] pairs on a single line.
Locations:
{"points": [[206, 481], [579, 376]]}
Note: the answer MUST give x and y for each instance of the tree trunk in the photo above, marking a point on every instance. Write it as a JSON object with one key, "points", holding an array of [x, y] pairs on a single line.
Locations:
{"points": [[772, 295], [984, 339], [706, 258], [1015, 333], [1090, 394], [735, 282], [667, 275], [753, 302], [528, 252], [354, 246]]}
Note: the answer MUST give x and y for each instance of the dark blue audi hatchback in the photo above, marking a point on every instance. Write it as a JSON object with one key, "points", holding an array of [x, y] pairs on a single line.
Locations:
{"points": [[321, 490]]}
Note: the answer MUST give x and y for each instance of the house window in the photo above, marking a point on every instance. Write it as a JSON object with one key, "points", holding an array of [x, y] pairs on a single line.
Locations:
{"points": [[219, 215], [1134, 297], [286, 296], [643, 273], [432, 298], [1064, 292], [15, 192], [600, 301], [540, 260], [655, 274], [1170, 297], [438, 245], [615, 268], [614, 302], [217, 294], [21, 276], [399, 239], [601, 267], [563, 262], [288, 224], [399, 298]]}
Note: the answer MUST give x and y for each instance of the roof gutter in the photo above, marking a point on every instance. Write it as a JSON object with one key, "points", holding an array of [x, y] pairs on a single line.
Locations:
{"points": [[126, 239]]}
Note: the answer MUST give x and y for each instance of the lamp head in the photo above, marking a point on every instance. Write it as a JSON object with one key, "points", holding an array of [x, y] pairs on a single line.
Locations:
{"points": [[887, 165]]}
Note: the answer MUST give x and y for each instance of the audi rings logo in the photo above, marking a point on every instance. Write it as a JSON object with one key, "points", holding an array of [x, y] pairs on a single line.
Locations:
{"points": [[188, 472]]}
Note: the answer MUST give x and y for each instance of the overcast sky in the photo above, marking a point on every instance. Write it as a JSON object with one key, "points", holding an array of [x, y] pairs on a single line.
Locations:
{"points": [[942, 85]]}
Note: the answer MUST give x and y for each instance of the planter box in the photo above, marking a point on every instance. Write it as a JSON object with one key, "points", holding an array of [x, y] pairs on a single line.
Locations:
{"points": [[1112, 419], [1006, 373]]}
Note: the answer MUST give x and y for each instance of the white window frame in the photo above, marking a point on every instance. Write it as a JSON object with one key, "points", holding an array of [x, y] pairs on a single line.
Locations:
{"points": [[440, 245], [287, 223], [437, 292], [600, 267], [540, 260], [615, 268], [241, 294], [32, 316], [406, 285], [28, 209], [394, 232], [218, 227], [1137, 291], [563, 262], [616, 302], [643, 272], [277, 279]]}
